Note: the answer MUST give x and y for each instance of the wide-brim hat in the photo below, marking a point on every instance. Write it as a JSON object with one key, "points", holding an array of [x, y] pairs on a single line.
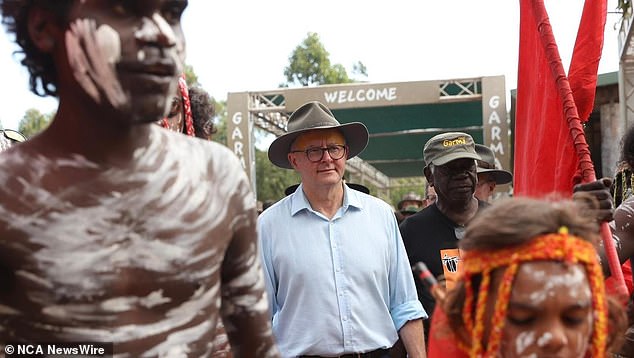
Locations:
{"points": [[487, 165], [500, 176], [310, 116], [411, 196]]}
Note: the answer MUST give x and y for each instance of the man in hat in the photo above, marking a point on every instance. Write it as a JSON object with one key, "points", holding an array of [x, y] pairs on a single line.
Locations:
{"points": [[112, 229], [337, 275], [488, 174], [410, 204], [431, 235]]}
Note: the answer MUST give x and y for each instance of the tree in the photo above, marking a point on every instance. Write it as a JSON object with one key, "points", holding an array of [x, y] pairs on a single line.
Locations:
{"points": [[309, 64], [190, 76], [34, 122], [271, 180]]}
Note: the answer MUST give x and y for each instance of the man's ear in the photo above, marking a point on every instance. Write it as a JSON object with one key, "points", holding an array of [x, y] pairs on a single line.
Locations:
{"points": [[43, 27], [291, 159], [428, 176]]}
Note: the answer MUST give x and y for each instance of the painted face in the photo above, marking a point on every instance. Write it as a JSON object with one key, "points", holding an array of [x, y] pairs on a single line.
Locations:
{"points": [[327, 171], [549, 313], [127, 55], [456, 180]]}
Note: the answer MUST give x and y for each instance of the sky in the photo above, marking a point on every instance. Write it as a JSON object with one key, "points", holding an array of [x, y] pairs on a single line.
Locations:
{"points": [[244, 45]]}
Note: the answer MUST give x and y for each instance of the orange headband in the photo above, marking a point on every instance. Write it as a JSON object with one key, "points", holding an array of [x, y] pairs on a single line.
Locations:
{"points": [[559, 247]]}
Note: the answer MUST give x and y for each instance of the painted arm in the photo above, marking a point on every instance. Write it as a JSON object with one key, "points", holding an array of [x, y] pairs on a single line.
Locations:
{"points": [[245, 308], [623, 230]]}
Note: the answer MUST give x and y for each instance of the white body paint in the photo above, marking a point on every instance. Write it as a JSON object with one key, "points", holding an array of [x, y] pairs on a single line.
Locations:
{"points": [[117, 235], [110, 43], [569, 284]]}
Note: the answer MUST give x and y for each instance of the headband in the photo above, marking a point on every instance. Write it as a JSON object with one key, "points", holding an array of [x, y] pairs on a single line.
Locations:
{"points": [[558, 247], [187, 108]]}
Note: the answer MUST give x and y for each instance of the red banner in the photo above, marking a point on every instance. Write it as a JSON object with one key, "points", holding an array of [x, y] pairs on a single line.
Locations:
{"points": [[545, 133]]}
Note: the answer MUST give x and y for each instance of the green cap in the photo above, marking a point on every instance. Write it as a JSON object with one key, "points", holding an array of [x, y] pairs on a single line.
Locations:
{"points": [[445, 147]]}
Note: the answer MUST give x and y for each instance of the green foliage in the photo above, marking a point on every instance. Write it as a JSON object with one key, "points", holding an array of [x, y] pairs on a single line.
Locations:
{"points": [[309, 64], [271, 180], [220, 122], [190, 76], [360, 69], [34, 122], [404, 186], [337, 74]]}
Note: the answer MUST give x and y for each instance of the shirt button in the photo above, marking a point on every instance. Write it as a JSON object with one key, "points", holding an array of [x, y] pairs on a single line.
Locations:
{"points": [[345, 319]]}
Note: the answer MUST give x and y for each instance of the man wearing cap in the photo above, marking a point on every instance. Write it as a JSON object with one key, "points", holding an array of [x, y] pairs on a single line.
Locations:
{"points": [[336, 270], [410, 204], [488, 174], [431, 235]]}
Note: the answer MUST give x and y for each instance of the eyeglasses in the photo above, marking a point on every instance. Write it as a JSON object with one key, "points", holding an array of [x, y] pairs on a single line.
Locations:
{"points": [[13, 135], [316, 154]]}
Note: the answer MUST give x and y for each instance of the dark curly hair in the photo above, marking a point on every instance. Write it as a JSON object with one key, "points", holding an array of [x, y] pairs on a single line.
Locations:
{"points": [[203, 112], [627, 151], [43, 76]]}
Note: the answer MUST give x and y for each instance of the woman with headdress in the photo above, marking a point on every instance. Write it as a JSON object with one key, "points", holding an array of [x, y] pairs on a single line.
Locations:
{"points": [[532, 285], [179, 118], [191, 112]]}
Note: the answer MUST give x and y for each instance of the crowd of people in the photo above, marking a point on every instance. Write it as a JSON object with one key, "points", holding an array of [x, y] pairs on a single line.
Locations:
{"points": [[114, 229]]}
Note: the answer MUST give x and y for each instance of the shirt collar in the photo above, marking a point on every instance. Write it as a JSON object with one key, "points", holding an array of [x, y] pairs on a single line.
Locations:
{"points": [[299, 202]]}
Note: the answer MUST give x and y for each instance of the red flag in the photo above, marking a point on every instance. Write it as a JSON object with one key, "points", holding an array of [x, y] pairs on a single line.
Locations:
{"points": [[545, 157], [586, 56], [550, 145]]}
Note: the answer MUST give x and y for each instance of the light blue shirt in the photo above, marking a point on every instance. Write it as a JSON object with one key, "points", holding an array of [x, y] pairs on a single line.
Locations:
{"points": [[336, 286]]}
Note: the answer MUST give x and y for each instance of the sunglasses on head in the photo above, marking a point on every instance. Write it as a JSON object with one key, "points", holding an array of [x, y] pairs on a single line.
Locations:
{"points": [[13, 135]]}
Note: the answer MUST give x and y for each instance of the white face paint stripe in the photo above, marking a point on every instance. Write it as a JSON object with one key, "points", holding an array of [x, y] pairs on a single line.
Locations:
{"points": [[164, 28], [110, 43], [523, 341], [544, 339]]}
